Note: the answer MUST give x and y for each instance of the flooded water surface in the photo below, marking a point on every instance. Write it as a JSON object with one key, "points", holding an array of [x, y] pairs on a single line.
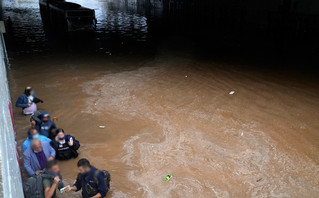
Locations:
{"points": [[165, 109]]}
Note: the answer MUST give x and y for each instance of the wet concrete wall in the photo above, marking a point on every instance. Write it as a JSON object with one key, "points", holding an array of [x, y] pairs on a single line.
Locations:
{"points": [[10, 178]]}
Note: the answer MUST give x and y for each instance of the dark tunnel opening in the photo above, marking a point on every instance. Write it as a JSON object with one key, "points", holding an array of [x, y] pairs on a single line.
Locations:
{"points": [[220, 94], [244, 29]]}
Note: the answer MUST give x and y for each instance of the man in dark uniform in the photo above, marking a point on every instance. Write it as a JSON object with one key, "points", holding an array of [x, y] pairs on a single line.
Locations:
{"points": [[90, 180]]}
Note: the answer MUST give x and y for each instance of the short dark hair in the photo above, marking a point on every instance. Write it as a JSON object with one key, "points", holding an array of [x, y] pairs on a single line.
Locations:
{"points": [[59, 130], [84, 163], [27, 91], [50, 164]]}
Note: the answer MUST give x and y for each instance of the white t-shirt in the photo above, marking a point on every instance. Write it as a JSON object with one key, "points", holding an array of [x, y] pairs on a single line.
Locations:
{"points": [[30, 99]]}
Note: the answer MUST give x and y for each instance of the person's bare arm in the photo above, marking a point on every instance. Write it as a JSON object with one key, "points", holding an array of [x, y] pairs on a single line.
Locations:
{"points": [[48, 192], [98, 195], [51, 158], [72, 188], [33, 124]]}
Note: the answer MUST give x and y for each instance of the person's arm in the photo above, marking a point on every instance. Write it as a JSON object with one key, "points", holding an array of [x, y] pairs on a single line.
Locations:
{"points": [[33, 124], [98, 195], [76, 144], [19, 103], [52, 151], [101, 187], [76, 186], [36, 118], [24, 147], [72, 188], [49, 190], [27, 165]]}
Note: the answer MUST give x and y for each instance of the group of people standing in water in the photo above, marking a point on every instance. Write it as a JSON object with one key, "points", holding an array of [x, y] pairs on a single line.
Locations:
{"points": [[44, 145]]}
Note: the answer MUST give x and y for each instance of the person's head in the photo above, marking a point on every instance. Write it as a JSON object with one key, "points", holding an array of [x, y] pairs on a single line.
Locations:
{"points": [[84, 166], [28, 91], [46, 117], [53, 166], [59, 134], [36, 145], [34, 133]]}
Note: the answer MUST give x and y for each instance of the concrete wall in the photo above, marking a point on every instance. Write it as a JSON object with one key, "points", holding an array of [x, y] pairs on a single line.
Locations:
{"points": [[10, 177]]}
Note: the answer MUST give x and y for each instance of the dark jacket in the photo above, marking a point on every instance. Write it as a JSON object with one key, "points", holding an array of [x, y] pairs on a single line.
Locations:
{"points": [[88, 179], [44, 127], [36, 117], [23, 101], [64, 151]]}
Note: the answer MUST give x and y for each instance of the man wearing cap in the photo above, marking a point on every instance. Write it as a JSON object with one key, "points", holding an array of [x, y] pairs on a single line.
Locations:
{"points": [[46, 124]]}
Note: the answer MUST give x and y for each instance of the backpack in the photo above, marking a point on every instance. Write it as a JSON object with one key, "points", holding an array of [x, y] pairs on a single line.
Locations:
{"points": [[35, 116], [33, 187], [107, 179]]}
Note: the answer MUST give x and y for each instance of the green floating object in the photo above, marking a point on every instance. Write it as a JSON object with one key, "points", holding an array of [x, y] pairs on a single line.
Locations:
{"points": [[168, 177]]}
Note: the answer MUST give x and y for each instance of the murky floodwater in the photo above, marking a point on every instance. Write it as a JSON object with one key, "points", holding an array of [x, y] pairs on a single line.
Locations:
{"points": [[166, 111]]}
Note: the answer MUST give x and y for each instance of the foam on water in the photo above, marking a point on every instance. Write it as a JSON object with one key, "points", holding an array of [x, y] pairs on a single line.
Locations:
{"points": [[212, 151]]}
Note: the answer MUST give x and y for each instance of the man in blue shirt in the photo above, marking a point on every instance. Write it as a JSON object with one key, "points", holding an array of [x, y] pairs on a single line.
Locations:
{"points": [[33, 134], [90, 180]]}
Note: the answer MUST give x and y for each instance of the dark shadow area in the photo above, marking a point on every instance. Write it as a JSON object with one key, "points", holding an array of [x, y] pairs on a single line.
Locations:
{"points": [[270, 33]]}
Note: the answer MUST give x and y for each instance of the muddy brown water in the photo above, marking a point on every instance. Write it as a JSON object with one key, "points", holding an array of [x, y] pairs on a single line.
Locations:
{"points": [[171, 112]]}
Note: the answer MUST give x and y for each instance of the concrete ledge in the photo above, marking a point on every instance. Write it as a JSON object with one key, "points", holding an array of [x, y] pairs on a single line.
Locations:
{"points": [[10, 177]]}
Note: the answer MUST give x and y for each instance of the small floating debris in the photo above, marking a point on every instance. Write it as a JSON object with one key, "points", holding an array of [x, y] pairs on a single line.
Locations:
{"points": [[186, 76], [231, 93], [242, 133], [101, 127], [168, 177]]}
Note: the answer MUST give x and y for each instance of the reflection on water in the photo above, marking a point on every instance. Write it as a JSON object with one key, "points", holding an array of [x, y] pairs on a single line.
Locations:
{"points": [[118, 22]]}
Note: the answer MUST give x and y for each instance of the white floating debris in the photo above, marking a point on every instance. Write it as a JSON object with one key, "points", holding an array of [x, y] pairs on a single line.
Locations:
{"points": [[102, 127], [242, 133], [186, 76], [231, 93]]}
